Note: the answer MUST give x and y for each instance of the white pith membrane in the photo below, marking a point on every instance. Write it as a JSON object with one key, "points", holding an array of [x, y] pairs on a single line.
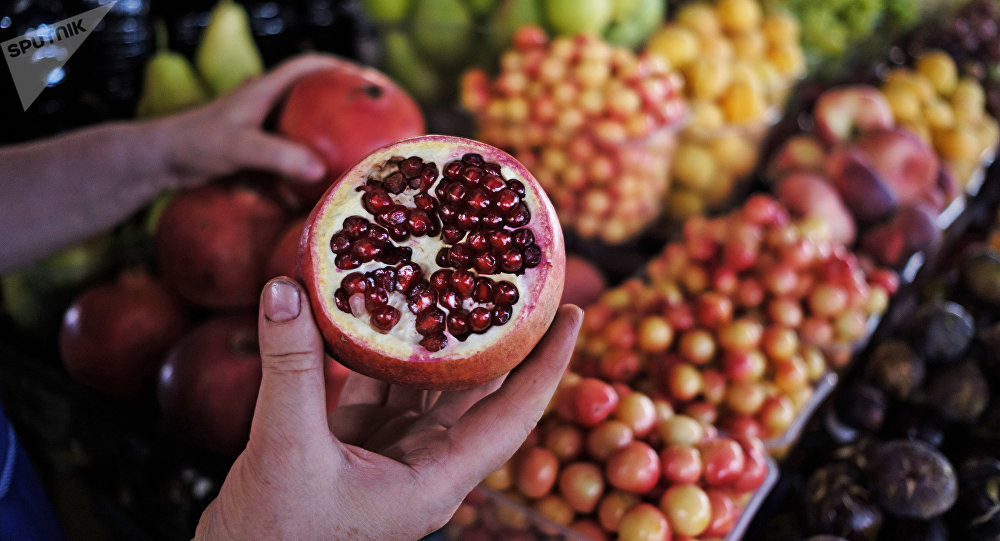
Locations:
{"points": [[402, 341]]}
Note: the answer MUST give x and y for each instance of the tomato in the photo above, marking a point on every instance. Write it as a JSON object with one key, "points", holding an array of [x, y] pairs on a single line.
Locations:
{"points": [[713, 386], [613, 506], [565, 440], [680, 430], [644, 522], [634, 468], [502, 479], [704, 412], [638, 412], [742, 426], [687, 508], [607, 437], [593, 401], [741, 335], [683, 381], [754, 466], [744, 365], [713, 309], [745, 396], [589, 530], [581, 485], [555, 509], [681, 464], [723, 458], [724, 513], [697, 346], [619, 365], [536, 470], [777, 414]]}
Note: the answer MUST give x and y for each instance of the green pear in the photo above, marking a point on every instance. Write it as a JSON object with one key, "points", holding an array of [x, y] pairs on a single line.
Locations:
{"points": [[634, 27], [227, 54], [571, 17], [170, 83], [386, 11], [403, 64], [442, 29], [511, 15]]}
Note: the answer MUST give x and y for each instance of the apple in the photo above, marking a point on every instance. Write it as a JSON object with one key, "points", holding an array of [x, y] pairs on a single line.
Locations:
{"points": [[861, 188], [844, 112], [799, 153], [810, 194]]}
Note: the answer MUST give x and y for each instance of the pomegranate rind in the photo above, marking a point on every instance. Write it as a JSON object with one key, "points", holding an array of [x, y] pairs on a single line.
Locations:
{"points": [[482, 357]]}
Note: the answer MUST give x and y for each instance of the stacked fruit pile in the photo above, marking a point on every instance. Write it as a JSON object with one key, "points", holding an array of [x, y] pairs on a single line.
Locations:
{"points": [[593, 122], [608, 460], [738, 66]]}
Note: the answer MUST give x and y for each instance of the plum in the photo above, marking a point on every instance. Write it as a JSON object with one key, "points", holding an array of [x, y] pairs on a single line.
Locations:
{"points": [[919, 422], [908, 166], [912, 229], [959, 392], [838, 503], [911, 479], [859, 185], [916, 530], [862, 406], [940, 331], [895, 368], [977, 510], [981, 275]]}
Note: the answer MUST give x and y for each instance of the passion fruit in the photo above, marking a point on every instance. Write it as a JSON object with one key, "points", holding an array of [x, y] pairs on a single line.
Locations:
{"points": [[436, 262]]}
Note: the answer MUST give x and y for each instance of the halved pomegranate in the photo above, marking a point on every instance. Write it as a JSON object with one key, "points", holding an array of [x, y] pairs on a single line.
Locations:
{"points": [[435, 262]]}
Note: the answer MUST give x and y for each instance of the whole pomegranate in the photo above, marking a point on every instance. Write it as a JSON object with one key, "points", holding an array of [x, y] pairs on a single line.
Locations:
{"points": [[207, 386], [282, 260], [114, 335], [344, 114], [435, 262], [213, 242]]}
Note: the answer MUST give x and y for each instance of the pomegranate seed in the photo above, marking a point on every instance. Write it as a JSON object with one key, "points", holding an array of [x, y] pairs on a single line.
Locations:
{"points": [[375, 297], [505, 293], [428, 175], [492, 168], [493, 183], [395, 183], [414, 183], [355, 227], [384, 278], [501, 314], [467, 219], [455, 192], [366, 249], [434, 343], [418, 222], [517, 186], [450, 299], [448, 214], [411, 167], [458, 323], [518, 216], [421, 298], [430, 322], [523, 238], [472, 174], [511, 260], [347, 261], [478, 241], [425, 202], [463, 282], [478, 200], [532, 256], [342, 298], [339, 242], [485, 263], [355, 283], [483, 291], [393, 255], [450, 234], [399, 233], [506, 199], [499, 240], [492, 220], [394, 217], [408, 275], [472, 159], [440, 279], [379, 235], [434, 229], [376, 199], [385, 318], [460, 256], [443, 257], [480, 319], [453, 171]]}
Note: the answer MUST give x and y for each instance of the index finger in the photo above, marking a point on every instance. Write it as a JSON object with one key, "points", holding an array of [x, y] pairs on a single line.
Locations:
{"points": [[259, 96]]}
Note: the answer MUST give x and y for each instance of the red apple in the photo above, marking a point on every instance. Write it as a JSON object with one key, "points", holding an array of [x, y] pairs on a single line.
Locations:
{"points": [[842, 113], [809, 194]]}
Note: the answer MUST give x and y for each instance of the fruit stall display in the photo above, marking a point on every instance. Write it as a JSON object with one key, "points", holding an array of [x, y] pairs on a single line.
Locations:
{"points": [[722, 358]]}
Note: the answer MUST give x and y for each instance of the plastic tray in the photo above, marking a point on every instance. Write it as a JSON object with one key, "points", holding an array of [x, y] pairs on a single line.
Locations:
{"points": [[779, 446]]}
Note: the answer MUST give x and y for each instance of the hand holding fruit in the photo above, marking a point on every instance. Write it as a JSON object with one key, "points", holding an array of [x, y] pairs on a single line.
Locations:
{"points": [[390, 449]]}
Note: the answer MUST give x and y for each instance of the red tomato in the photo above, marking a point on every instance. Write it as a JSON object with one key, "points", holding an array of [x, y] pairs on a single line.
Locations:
{"points": [[723, 459], [644, 522], [687, 508], [638, 412], [635, 468], [613, 507], [754, 466], [681, 464], [724, 513], [608, 437], [565, 440], [536, 471], [593, 401], [581, 485]]}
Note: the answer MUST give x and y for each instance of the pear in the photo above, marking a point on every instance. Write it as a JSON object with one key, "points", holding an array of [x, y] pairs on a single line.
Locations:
{"points": [[386, 11], [442, 29], [634, 20], [403, 64], [170, 83], [511, 15], [227, 54], [571, 17]]}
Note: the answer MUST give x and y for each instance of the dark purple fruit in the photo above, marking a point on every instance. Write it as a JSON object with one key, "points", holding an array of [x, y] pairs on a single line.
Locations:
{"points": [[940, 331], [959, 393], [837, 503], [981, 275], [895, 368], [862, 406], [916, 530], [977, 510], [911, 479], [921, 423]]}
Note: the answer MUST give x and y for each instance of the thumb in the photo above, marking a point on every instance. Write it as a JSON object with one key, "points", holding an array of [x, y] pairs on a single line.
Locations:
{"points": [[291, 405]]}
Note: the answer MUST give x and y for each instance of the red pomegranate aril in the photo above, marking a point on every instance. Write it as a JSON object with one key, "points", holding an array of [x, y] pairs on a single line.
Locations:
{"points": [[517, 186], [493, 183], [342, 298], [460, 256], [492, 168], [472, 174], [511, 260], [412, 166], [523, 238], [506, 199], [458, 323], [505, 293], [467, 219], [418, 222], [485, 263], [478, 242], [499, 240], [492, 220], [518, 216], [375, 297], [399, 234], [532, 256], [443, 257], [384, 278], [430, 322], [421, 300], [355, 227], [450, 299], [463, 282], [393, 255], [339, 243], [376, 199], [434, 227], [394, 217], [355, 283], [366, 249], [425, 202], [455, 192], [347, 261], [428, 175], [385, 318], [478, 200], [480, 319], [395, 183], [448, 214], [483, 292], [379, 235], [453, 171], [501, 314], [451, 234], [434, 343], [472, 159], [441, 279], [408, 275]]}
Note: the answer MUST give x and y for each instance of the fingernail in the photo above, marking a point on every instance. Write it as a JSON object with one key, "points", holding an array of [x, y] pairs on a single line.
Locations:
{"points": [[281, 301]]}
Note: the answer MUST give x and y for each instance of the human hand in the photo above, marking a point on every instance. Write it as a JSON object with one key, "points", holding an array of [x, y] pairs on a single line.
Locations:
{"points": [[226, 135], [391, 462]]}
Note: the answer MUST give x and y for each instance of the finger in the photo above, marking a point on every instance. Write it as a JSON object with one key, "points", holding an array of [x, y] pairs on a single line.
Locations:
{"points": [[255, 149], [361, 389], [452, 405], [258, 97], [291, 405], [402, 398], [492, 430]]}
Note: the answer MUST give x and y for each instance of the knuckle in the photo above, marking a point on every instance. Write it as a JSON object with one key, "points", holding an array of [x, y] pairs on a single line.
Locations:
{"points": [[290, 361]]}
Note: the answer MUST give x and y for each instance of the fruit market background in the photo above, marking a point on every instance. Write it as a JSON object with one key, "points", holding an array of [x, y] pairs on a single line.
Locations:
{"points": [[780, 216]]}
